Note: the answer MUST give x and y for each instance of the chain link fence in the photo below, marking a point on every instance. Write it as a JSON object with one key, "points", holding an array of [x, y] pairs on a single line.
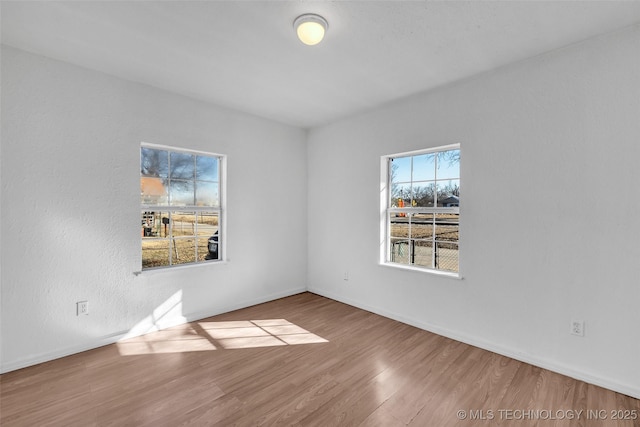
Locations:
{"points": [[441, 256], [426, 240]]}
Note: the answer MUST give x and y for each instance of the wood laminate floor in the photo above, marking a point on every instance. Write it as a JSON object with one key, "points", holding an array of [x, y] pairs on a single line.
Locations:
{"points": [[302, 360]]}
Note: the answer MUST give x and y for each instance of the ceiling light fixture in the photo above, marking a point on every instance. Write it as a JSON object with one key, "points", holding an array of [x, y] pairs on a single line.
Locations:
{"points": [[310, 28]]}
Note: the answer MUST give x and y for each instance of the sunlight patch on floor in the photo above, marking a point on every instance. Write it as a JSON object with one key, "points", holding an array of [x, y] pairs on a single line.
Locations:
{"points": [[208, 336], [259, 333]]}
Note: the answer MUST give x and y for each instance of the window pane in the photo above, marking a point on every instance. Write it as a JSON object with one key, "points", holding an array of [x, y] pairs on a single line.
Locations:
{"points": [[184, 251], [207, 168], [401, 195], [399, 251], [401, 169], [422, 226], [447, 227], [183, 224], [182, 166], [207, 223], [449, 193], [448, 165], [424, 167], [164, 224], [203, 249], [155, 252], [154, 163], [181, 193], [423, 194], [152, 224], [447, 256], [399, 226], [423, 253], [208, 236], [207, 194], [152, 191]]}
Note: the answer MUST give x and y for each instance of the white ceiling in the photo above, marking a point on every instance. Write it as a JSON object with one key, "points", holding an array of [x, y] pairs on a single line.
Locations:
{"points": [[244, 54]]}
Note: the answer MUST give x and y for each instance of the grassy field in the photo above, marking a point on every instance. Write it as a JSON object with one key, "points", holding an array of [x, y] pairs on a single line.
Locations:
{"points": [[204, 218], [155, 253], [446, 227]]}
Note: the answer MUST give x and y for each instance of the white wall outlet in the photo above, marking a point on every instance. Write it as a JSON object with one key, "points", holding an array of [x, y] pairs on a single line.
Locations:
{"points": [[577, 327], [346, 276], [82, 307]]}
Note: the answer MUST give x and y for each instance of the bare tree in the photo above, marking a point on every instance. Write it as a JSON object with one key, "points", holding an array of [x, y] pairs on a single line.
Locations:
{"points": [[424, 194], [451, 189], [154, 163], [451, 156], [176, 168]]}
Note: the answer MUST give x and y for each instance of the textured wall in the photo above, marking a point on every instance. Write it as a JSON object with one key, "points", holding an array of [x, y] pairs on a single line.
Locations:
{"points": [[549, 198], [71, 218]]}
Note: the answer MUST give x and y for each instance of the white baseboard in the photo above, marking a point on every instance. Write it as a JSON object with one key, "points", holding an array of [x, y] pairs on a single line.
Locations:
{"points": [[551, 365], [115, 337]]}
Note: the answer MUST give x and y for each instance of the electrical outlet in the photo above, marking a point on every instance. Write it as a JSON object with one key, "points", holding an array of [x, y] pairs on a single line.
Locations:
{"points": [[577, 327], [82, 307], [346, 275]]}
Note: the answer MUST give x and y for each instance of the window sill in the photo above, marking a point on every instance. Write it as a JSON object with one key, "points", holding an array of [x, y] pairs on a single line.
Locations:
{"points": [[161, 270], [447, 274]]}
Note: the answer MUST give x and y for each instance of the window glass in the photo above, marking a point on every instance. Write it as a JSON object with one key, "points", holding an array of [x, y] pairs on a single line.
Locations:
{"points": [[184, 250], [154, 163], [207, 194], [153, 191], [448, 165], [449, 193], [423, 194], [182, 192], [401, 170], [423, 253], [206, 168], [424, 167], [181, 207], [423, 218], [182, 166]]}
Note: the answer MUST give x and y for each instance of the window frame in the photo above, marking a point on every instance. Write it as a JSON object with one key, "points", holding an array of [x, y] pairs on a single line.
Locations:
{"points": [[387, 210], [220, 209]]}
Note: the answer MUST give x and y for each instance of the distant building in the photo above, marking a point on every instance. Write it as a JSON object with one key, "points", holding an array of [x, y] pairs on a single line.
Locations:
{"points": [[450, 202], [152, 191]]}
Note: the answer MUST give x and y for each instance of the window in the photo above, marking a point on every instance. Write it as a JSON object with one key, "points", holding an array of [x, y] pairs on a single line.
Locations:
{"points": [[181, 206], [422, 209]]}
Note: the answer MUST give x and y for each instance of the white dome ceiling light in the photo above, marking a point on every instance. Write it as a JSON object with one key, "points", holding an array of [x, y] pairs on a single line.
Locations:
{"points": [[310, 28]]}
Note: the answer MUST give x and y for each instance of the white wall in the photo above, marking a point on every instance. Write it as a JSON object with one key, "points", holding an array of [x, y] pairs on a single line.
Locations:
{"points": [[549, 205], [70, 209]]}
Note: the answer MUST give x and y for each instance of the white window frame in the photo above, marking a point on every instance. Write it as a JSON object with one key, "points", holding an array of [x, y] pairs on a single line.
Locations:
{"points": [[386, 210], [220, 209]]}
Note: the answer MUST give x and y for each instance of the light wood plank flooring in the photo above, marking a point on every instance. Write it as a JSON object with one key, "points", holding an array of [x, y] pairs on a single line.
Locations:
{"points": [[302, 360]]}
